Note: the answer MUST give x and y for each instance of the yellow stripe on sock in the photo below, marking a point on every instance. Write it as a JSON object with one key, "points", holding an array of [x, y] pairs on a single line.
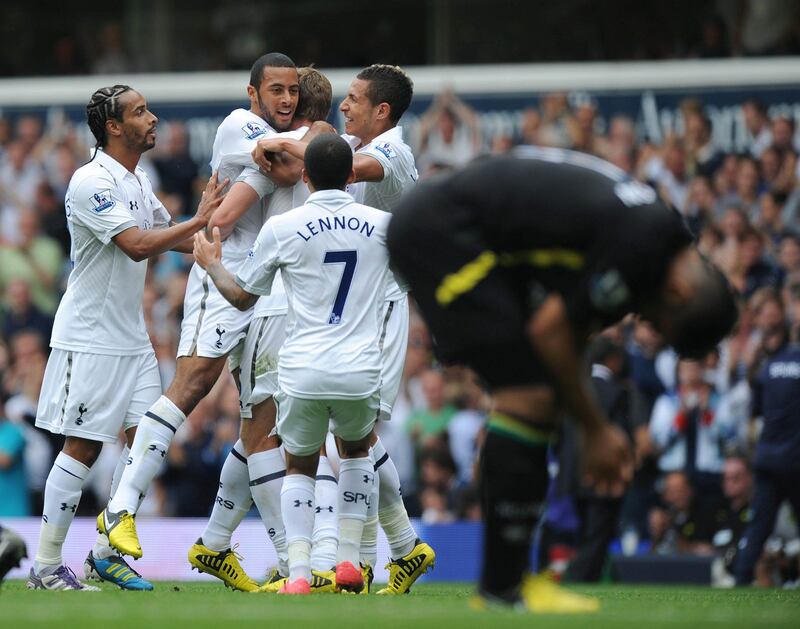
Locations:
{"points": [[518, 430]]}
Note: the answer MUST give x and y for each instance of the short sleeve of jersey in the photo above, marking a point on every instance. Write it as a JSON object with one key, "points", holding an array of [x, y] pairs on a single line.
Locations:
{"points": [[96, 204], [258, 182], [387, 155], [256, 274]]}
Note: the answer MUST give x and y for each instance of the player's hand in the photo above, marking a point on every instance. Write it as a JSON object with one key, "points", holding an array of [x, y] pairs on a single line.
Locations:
{"points": [[207, 253], [607, 459], [263, 153], [212, 197]]}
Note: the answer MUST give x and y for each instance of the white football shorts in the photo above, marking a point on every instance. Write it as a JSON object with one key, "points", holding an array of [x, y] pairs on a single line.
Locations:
{"points": [[259, 374], [302, 423], [211, 326], [93, 396], [394, 344]]}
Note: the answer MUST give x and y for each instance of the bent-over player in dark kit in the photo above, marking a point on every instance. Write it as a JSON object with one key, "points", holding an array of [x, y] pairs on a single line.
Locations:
{"points": [[514, 262]]}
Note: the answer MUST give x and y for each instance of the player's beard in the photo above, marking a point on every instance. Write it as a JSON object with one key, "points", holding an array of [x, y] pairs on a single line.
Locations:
{"points": [[140, 142], [268, 117]]}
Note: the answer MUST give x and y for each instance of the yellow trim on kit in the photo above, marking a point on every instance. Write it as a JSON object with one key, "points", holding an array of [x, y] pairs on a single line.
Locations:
{"points": [[544, 258], [468, 276], [514, 428]]}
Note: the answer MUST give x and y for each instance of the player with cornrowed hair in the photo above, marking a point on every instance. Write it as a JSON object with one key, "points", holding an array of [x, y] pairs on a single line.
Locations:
{"points": [[102, 373], [212, 330]]}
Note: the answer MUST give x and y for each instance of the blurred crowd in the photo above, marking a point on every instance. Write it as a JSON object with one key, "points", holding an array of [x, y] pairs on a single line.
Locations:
{"points": [[694, 425]]}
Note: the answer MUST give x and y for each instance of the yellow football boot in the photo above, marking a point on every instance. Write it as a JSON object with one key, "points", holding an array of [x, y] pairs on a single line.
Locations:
{"points": [[120, 528], [223, 564], [542, 595], [321, 581], [405, 571], [369, 577]]}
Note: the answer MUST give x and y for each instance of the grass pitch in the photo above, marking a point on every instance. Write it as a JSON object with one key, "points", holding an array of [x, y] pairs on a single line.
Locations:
{"points": [[193, 604]]}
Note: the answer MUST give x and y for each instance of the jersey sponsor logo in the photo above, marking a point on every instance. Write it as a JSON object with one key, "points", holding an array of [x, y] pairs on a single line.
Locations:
{"points": [[386, 149], [252, 130], [134, 205], [633, 193], [784, 370], [608, 291], [102, 201], [355, 497]]}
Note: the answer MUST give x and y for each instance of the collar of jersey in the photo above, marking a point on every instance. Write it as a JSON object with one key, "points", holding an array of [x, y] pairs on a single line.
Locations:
{"points": [[331, 200], [395, 134], [117, 170]]}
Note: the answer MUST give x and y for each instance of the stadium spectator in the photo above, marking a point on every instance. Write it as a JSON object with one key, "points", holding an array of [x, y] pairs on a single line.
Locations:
{"points": [[783, 138], [777, 455], [448, 133], [737, 487], [19, 313], [13, 483], [36, 259], [681, 523], [177, 170], [428, 426], [688, 432]]}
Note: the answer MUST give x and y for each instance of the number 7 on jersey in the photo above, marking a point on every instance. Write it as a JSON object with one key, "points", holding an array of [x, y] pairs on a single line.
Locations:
{"points": [[349, 258]]}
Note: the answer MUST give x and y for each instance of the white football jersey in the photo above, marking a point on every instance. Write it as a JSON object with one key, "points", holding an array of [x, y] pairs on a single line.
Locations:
{"points": [[335, 266], [101, 311], [236, 138], [399, 175]]}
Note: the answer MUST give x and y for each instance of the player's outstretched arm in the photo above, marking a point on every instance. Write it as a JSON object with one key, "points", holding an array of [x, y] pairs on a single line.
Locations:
{"points": [[140, 244], [265, 150], [606, 454], [209, 257]]}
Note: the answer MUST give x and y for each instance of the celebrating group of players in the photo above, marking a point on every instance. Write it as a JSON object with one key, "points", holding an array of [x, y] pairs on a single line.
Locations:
{"points": [[514, 262], [342, 343]]}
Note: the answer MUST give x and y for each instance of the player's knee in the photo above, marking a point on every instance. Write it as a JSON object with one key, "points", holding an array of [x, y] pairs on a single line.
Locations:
{"points": [[355, 449], [85, 451], [256, 439], [193, 380]]}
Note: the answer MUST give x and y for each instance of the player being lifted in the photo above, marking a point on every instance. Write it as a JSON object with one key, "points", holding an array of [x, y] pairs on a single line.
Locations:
{"points": [[265, 467], [384, 169], [333, 259], [102, 374], [211, 328]]}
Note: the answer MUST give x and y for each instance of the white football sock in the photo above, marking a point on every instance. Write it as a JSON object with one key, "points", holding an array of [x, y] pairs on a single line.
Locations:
{"points": [[153, 436], [356, 484], [297, 505], [232, 503], [62, 494], [102, 549], [267, 470], [392, 512], [324, 541], [368, 553]]}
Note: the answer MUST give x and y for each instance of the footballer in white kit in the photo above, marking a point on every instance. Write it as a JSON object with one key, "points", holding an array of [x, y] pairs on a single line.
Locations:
{"points": [[255, 467], [331, 253], [211, 328], [384, 169], [102, 374]]}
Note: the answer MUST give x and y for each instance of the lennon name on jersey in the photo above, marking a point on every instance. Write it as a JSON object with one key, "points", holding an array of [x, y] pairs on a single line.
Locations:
{"points": [[331, 223]]}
